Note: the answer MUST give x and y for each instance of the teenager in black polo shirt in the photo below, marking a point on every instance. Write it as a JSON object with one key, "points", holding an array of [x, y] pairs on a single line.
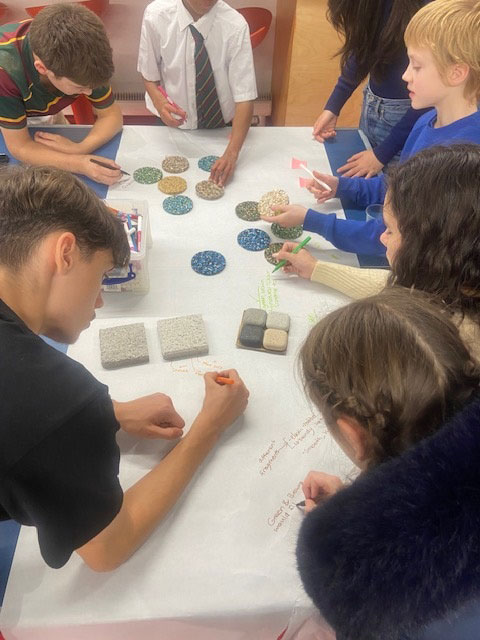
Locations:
{"points": [[44, 65], [58, 455]]}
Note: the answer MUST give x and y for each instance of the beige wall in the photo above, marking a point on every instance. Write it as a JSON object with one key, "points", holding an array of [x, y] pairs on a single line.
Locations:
{"points": [[304, 69]]}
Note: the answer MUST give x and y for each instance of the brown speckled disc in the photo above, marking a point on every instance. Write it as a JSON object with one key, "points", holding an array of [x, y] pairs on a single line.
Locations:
{"points": [[208, 190]]}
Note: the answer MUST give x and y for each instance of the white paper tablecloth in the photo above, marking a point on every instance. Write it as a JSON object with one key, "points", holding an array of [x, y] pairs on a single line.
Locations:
{"points": [[222, 565]]}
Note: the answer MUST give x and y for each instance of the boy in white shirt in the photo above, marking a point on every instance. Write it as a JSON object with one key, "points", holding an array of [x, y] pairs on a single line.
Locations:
{"points": [[200, 52]]}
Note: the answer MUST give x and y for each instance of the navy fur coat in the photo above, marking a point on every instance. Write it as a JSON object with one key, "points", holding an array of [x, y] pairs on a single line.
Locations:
{"points": [[400, 547]]}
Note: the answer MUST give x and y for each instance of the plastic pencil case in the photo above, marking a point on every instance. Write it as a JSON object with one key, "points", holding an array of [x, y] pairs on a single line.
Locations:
{"points": [[133, 278]]}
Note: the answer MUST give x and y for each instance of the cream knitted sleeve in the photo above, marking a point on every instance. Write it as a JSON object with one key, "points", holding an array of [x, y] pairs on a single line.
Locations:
{"points": [[352, 281]]}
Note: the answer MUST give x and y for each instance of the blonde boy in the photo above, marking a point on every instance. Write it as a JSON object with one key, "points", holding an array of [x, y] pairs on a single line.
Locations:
{"points": [[443, 47]]}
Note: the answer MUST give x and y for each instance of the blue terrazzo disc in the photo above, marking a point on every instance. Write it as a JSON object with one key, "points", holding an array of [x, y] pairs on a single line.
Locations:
{"points": [[206, 163], [208, 263], [177, 205], [253, 239]]}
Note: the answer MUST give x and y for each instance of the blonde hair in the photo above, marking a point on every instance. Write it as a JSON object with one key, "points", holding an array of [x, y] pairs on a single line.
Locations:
{"points": [[395, 363], [450, 29]]}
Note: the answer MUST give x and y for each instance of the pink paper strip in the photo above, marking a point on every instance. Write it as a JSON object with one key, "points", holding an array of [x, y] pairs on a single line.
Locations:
{"points": [[296, 163], [304, 181]]}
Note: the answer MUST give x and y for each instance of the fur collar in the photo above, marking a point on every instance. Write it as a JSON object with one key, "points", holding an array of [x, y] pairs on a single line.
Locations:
{"points": [[400, 547]]}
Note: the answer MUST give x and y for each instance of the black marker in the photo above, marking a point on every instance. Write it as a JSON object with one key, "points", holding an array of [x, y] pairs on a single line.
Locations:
{"points": [[107, 166]]}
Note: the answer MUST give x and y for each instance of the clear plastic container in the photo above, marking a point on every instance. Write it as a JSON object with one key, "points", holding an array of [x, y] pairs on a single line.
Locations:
{"points": [[134, 278]]}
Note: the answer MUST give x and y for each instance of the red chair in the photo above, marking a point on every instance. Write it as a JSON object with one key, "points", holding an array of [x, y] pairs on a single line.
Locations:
{"points": [[82, 111], [259, 21], [97, 6]]}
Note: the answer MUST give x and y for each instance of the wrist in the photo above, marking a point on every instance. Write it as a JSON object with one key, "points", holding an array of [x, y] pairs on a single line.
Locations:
{"points": [[205, 429], [119, 411]]}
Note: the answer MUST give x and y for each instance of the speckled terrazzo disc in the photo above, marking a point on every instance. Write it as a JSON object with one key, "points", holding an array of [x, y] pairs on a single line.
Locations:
{"points": [[275, 197], [147, 175], [172, 185], [253, 239], [177, 205], [208, 263], [273, 248], [208, 190], [175, 164], [248, 211], [286, 233], [206, 163]]}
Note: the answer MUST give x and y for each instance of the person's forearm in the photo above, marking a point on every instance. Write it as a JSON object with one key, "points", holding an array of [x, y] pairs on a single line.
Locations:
{"points": [[105, 127], [149, 500], [36, 154], [156, 97], [240, 126], [352, 281]]}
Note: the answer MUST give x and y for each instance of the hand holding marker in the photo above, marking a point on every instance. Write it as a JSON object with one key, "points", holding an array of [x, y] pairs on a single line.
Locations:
{"points": [[320, 182], [298, 248], [105, 165]]}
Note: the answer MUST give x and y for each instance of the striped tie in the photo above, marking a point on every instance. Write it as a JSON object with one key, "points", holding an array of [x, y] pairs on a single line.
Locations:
{"points": [[209, 113]]}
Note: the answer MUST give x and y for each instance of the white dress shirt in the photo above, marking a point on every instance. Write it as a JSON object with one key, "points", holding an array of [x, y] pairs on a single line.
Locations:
{"points": [[167, 48]]}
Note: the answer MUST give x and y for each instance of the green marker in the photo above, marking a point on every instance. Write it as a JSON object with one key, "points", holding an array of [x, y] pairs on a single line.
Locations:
{"points": [[282, 263]]}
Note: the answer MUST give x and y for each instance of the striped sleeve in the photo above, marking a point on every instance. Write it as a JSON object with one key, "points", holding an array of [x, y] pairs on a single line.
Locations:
{"points": [[12, 108], [101, 98]]}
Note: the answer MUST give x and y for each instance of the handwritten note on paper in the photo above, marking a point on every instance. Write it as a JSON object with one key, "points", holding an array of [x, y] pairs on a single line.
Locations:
{"points": [[284, 511], [196, 366], [267, 294], [304, 439]]}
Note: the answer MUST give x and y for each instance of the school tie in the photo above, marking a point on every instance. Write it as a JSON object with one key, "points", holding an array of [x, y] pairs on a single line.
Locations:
{"points": [[209, 113]]}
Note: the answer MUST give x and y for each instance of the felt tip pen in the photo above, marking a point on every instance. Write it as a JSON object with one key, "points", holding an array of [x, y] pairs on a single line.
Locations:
{"points": [[282, 263], [167, 97], [223, 380], [107, 166], [320, 182], [139, 231]]}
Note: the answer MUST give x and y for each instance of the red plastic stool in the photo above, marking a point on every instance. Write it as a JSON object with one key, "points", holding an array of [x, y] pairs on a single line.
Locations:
{"points": [[97, 6], [83, 111], [259, 21]]}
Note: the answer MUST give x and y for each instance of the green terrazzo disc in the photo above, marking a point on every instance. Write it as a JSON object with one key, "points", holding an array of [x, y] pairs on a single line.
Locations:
{"points": [[147, 175], [248, 211], [285, 233], [273, 248]]}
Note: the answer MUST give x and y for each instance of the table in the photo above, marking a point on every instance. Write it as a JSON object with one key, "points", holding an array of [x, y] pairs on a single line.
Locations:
{"points": [[222, 563]]}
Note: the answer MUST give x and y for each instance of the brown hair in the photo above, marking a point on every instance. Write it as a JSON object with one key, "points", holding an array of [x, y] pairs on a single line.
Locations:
{"points": [[71, 41], [360, 23], [395, 363], [450, 30], [435, 199], [36, 201]]}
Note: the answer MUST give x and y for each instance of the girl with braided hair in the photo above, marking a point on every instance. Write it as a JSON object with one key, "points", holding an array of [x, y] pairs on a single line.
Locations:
{"points": [[400, 393]]}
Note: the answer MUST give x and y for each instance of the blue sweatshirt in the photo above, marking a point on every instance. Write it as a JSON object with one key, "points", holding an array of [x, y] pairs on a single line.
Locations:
{"points": [[363, 237], [391, 87]]}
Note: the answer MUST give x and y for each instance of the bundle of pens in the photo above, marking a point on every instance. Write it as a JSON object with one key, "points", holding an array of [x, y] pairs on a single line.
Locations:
{"points": [[133, 224]]}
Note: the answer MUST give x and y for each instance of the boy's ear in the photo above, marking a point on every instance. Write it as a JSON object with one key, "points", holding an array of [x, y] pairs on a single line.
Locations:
{"points": [[40, 67], [458, 73], [355, 436], [66, 252]]}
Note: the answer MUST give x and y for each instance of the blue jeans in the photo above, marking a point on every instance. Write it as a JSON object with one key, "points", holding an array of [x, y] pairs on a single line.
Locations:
{"points": [[379, 116]]}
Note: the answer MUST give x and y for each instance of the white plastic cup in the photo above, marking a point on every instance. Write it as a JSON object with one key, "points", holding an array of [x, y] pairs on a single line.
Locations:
{"points": [[374, 212]]}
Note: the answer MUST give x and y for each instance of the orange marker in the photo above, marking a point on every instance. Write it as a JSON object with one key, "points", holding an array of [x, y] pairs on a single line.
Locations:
{"points": [[223, 380]]}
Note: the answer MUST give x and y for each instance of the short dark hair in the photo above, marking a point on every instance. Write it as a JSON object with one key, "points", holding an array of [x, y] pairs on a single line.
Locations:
{"points": [[36, 201], [72, 42], [435, 198], [394, 362]]}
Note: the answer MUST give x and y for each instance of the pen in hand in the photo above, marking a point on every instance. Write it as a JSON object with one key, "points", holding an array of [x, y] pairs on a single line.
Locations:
{"points": [[282, 263], [107, 166]]}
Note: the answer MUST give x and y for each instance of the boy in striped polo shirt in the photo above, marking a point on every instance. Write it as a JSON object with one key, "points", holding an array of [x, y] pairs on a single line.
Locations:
{"points": [[45, 64]]}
